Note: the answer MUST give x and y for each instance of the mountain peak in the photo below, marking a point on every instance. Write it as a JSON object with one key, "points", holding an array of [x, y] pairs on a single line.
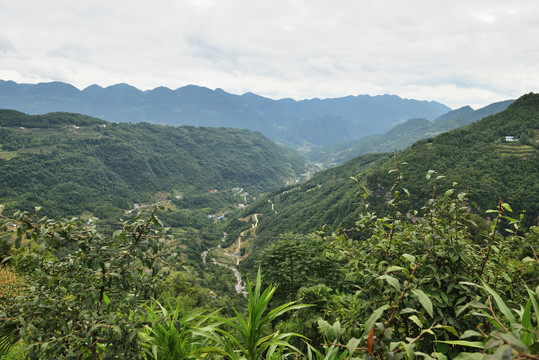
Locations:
{"points": [[453, 114]]}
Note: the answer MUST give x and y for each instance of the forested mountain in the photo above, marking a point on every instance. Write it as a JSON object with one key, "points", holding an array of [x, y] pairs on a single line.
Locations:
{"points": [[411, 276], [476, 156], [70, 163], [294, 123], [403, 135]]}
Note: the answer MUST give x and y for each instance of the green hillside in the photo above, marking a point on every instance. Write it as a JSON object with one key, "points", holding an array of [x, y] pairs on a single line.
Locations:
{"points": [[403, 135], [475, 156], [70, 164]]}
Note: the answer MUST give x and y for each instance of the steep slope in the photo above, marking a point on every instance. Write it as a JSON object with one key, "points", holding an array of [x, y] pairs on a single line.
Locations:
{"points": [[286, 121], [70, 163], [403, 135], [475, 156]]}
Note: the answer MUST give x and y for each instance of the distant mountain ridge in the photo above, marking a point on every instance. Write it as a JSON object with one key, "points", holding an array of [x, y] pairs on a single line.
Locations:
{"points": [[403, 135], [291, 122]]}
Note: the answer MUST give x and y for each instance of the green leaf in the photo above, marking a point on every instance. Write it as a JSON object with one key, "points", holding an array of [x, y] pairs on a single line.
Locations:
{"points": [[409, 258], [533, 299], [526, 323], [352, 345], [424, 301], [451, 329], [391, 281], [512, 339], [407, 311], [117, 330], [470, 333], [326, 329], [507, 207], [474, 344], [409, 348], [106, 299], [416, 320], [469, 356], [502, 353], [394, 268], [376, 314], [501, 305]]}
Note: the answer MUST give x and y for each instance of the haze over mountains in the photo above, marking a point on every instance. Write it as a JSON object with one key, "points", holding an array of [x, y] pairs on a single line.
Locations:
{"points": [[300, 124], [403, 135]]}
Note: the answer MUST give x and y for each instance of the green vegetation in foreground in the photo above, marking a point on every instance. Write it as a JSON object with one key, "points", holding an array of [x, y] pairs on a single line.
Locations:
{"points": [[432, 281], [423, 287]]}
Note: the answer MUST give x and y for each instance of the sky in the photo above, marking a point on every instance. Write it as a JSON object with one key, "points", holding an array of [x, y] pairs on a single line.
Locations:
{"points": [[470, 52]]}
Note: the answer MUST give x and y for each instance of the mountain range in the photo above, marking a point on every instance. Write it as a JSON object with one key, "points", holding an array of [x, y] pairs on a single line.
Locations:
{"points": [[402, 135], [304, 124], [475, 159]]}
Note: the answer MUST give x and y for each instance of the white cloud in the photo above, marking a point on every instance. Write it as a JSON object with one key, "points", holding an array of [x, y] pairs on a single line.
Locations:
{"points": [[6, 46], [436, 50]]}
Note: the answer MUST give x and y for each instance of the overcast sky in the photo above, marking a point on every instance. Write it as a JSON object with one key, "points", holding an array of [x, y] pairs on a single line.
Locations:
{"points": [[456, 52]]}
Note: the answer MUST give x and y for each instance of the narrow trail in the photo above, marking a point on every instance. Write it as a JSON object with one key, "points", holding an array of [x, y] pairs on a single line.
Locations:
{"points": [[272, 206], [240, 285]]}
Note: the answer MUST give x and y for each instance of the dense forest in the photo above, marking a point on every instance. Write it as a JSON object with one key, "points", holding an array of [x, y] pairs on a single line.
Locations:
{"points": [[477, 157], [431, 252], [71, 164]]}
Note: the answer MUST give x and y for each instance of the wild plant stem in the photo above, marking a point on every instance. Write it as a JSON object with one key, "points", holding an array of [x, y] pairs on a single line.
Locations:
{"points": [[432, 221], [397, 198], [404, 291], [490, 245]]}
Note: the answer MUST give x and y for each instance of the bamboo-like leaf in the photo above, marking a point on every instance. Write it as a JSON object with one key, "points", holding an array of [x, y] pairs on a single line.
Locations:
{"points": [[526, 323], [533, 299], [424, 300], [474, 344], [501, 305]]}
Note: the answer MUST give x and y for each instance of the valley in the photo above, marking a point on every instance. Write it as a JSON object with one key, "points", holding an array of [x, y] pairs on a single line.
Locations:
{"points": [[186, 215]]}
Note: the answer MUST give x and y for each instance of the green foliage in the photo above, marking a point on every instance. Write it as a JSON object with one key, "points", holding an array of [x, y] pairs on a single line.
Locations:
{"points": [[468, 155], [251, 338], [167, 335], [5, 249], [297, 262], [412, 276], [512, 337], [84, 288], [104, 170]]}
